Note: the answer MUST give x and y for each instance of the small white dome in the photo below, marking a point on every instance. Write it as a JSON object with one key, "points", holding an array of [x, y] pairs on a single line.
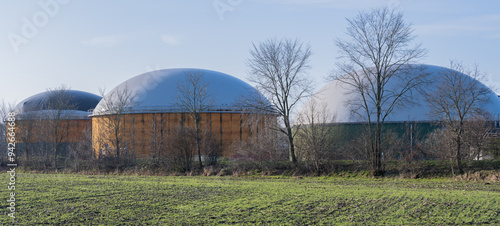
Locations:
{"points": [[157, 91], [335, 96], [41, 105]]}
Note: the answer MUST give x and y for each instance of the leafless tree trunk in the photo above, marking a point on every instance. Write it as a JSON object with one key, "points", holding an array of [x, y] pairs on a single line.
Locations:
{"points": [[374, 63], [277, 68], [194, 98], [115, 105], [156, 135], [43, 132], [60, 104], [456, 99]]}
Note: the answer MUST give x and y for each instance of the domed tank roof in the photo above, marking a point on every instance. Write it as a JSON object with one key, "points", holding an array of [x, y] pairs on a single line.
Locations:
{"points": [[335, 96], [157, 91], [77, 101]]}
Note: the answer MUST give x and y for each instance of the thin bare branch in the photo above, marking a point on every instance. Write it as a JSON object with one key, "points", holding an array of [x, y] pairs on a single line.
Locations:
{"points": [[278, 69], [375, 63]]}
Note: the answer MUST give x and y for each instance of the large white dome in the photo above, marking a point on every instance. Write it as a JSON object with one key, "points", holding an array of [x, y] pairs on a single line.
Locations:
{"points": [[336, 95], [157, 91]]}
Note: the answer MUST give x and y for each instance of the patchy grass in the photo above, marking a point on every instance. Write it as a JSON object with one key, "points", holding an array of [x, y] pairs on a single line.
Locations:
{"points": [[110, 200]]}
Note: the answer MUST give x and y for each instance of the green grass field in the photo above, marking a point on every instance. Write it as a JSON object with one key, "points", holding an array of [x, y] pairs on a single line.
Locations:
{"points": [[110, 200]]}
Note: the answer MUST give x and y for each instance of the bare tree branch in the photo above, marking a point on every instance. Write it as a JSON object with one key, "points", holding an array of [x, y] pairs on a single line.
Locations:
{"points": [[59, 106], [458, 97], [375, 63], [194, 97], [277, 68], [113, 108]]}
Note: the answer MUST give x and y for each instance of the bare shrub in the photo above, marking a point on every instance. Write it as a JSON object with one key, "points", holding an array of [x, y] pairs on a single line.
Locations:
{"points": [[476, 133], [459, 97], [211, 148], [181, 146], [355, 147], [316, 139], [266, 147], [441, 144], [81, 154], [473, 142]]}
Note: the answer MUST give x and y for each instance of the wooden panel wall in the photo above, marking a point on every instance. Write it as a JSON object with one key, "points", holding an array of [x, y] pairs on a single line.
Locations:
{"points": [[34, 131], [146, 135]]}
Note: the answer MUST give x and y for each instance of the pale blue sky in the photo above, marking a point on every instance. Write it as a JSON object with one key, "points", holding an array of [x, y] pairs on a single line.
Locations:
{"points": [[93, 44]]}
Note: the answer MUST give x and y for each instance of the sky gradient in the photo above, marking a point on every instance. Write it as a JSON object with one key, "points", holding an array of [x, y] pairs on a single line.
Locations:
{"points": [[88, 45]]}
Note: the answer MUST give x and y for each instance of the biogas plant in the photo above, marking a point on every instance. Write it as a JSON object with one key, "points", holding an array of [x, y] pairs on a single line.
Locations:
{"points": [[150, 115], [198, 113], [166, 105]]}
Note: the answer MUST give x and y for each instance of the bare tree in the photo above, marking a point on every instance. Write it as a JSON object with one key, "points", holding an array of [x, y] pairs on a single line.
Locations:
{"points": [[458, 97], [194, 98], [277, 68], [113, 109], [316, 141], [58, 106], [375, 65]]}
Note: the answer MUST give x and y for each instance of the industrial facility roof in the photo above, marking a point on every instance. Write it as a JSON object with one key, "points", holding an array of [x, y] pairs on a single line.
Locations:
{"points": [[158, 91], [337, 98], [78, 102]]}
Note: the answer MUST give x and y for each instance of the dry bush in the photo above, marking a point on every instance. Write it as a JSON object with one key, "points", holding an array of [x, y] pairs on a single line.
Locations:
{"points": [[80, 156], [315, 139], [211, 149], [393, 146], [442, 144], [356, 148], [494, 147], [476, 133], [181, 148], [266, 147], [493, 176]]}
